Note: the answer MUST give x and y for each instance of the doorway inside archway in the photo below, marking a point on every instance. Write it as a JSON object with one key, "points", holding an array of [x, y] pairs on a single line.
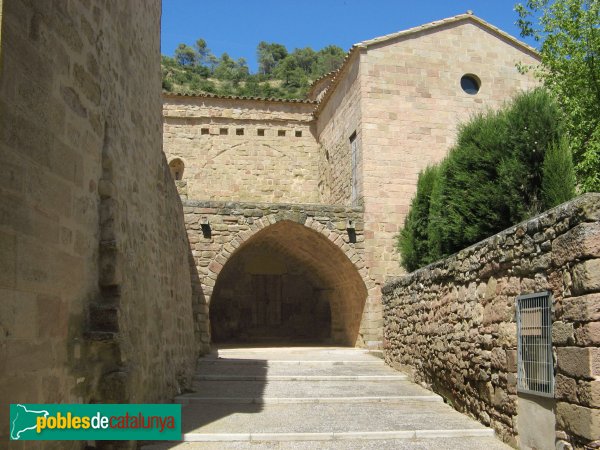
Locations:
{"points": [[287, 284]]}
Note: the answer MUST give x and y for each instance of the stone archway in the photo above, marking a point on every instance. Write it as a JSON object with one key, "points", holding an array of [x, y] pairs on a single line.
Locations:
{"points": [[288, 281], [332, 259]]}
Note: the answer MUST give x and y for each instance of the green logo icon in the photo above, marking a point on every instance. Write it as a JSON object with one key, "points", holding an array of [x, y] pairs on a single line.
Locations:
{"points": [[95, 422]]}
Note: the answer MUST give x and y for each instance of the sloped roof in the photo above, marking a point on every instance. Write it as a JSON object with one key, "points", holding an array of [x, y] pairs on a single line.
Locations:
{"points": [[449, 20], [237, 97]]}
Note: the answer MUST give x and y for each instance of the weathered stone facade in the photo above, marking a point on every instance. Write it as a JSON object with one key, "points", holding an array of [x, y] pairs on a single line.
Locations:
{"points": [[326, 241], [452, 324], [263, 151], [411, 105], [103, 290], [95, 296], [387, 113]]}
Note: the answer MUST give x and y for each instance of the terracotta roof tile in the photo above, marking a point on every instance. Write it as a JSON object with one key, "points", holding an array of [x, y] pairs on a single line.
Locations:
{"points": [[237, 97]]}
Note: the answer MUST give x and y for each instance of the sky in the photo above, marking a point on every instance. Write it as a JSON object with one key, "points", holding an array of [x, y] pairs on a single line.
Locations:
{"points": [[237, 26]]}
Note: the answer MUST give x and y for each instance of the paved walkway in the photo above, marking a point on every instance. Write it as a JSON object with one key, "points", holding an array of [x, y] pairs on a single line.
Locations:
{"points": [[316, 397]]}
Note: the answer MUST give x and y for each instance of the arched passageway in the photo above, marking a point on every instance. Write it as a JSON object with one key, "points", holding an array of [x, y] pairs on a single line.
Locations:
{"points": [[287, 283]]}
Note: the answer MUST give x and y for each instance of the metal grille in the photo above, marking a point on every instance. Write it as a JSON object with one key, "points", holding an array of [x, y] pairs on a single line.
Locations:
{"points": [[535, 371]]}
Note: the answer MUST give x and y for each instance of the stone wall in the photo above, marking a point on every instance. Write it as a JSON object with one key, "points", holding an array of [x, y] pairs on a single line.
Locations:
{"points": [[338, 118], [411, 107], [243, 150], [452, 325], [313, 237], [95, 296]]}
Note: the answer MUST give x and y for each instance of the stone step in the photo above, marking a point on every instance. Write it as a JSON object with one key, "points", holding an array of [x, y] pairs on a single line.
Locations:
{"points": [[268, 377], [273, 354], [349, 435], [324, 421], [253, 370], [448, 443], [320, 389], [208, 361], [316, 397], [191, 398]]}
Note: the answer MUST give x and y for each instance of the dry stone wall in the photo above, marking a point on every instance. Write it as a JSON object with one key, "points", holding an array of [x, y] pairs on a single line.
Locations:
{"points": [[452, 324], [94, 276]]}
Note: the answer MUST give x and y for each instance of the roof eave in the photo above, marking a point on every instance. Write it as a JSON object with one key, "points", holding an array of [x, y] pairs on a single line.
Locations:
{"points": [[236, 97]]}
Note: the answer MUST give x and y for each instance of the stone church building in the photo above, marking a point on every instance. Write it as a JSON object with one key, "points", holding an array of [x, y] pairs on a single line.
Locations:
{"points": [[136, 229], [281, 177]]}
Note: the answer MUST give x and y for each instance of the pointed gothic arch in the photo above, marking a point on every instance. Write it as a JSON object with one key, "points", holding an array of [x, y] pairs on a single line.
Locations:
{"points": [[288, 250]]}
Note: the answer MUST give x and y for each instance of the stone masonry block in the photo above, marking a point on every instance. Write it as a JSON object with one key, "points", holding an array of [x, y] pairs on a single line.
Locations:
{"points": [[589, 393], [17, 308], [588, 334], [511, 360], [579, 420], [565, 388], [583, 241], [562, 333], [8, 259], [585, 308], [586, 277], [579, 362]]}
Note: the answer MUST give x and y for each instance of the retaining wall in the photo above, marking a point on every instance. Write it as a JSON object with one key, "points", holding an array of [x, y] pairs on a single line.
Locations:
{"points": [[452, 326]]}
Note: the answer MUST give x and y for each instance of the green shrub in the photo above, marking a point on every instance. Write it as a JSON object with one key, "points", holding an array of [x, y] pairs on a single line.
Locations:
{"points": [[468, 202], [496, 175], [412, 240], [534, 125], [434, 238], [558, 181], [589, 162], [167, 85]]}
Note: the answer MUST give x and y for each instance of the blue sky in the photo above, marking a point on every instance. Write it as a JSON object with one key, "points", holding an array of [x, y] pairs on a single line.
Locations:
{"points": [[237, 26]]}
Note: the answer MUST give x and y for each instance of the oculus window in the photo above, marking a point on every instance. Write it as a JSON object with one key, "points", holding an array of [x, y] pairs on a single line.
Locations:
{"points": [[470, 84]]}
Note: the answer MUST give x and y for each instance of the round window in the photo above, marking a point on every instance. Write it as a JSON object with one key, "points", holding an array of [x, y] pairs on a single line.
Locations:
{"points": [[470, 84]]}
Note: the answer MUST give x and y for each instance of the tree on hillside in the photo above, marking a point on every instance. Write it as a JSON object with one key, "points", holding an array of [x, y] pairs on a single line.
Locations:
{"points": [[569, 32], [269, 56], [186, 55], [231, 70], [305, 59], [281, 74], [202, 51], [329, 58]]}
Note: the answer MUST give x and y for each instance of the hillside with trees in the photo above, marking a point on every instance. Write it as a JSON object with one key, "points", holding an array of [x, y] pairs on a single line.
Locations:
{"points": [[281, 74]]}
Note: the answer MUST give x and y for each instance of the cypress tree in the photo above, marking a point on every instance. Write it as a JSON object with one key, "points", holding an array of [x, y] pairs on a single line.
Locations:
{"points": [[558, 175], [468, 201], [505, 167], [412, 240]]}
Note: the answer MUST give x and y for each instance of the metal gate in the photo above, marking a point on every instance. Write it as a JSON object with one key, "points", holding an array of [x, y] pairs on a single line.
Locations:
{"points": [[535, 370]]}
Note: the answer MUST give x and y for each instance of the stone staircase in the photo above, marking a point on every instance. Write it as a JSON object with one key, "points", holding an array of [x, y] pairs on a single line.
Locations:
{"points": [[316, 397]]}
